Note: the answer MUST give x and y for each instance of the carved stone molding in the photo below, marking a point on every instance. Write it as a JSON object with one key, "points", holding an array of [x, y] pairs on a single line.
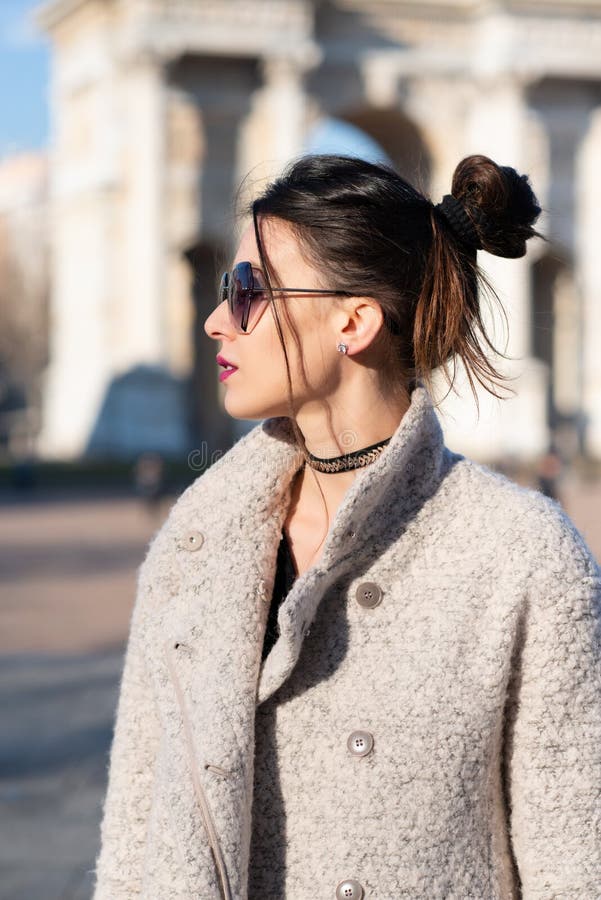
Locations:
{"points": [[238, 28]]}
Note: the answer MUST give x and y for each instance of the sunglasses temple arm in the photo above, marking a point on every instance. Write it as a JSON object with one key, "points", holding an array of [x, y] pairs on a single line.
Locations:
{"points": [[304, 291]]}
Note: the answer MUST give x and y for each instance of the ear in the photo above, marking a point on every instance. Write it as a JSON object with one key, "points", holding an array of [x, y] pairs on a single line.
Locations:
{"points": [[360, 320]]}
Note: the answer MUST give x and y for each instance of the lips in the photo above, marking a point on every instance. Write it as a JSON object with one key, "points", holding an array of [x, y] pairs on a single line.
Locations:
{"points": [[225, 363]]}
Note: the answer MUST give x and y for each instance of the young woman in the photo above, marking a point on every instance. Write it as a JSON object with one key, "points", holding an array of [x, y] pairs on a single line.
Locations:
{"points": [[360, 665]]}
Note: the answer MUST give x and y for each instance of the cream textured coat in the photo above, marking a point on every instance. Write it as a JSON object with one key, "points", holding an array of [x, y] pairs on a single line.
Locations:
{"points": [[474, 683]]}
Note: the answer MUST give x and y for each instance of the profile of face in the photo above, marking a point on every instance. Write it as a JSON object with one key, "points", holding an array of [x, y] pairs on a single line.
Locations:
{"points": [[312, 327]]}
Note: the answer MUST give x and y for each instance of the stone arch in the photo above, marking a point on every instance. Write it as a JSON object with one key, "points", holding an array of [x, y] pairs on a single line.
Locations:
{"points": [[334, 135], [400, 138]]}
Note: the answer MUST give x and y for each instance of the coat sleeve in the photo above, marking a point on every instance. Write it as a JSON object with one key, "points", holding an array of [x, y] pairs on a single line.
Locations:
{"points": [[120, 862], [552, 750]]}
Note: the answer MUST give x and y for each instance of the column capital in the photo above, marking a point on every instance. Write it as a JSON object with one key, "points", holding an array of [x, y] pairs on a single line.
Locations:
{"points": [[283, 66]]}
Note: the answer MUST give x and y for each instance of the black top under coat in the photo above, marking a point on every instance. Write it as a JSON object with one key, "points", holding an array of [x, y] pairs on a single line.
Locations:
{"points": [[285, 575]]}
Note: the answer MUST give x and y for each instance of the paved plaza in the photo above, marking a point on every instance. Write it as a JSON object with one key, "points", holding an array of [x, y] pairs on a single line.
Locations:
{"points": [[67, 584]]}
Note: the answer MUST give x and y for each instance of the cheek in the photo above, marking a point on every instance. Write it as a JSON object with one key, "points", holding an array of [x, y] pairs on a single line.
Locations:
{"points": [[266, 356], [318, 359], [311, 360]]}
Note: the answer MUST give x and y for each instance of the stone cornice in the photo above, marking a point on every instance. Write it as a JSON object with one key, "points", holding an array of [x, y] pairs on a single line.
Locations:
{"points": [[52, 13], [544, 8], [527, 48], [462, 9], [238, 28], [532, 38]]}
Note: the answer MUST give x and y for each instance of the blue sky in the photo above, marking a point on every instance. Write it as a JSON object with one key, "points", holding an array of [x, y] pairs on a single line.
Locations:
{"points": [[24, 72]]}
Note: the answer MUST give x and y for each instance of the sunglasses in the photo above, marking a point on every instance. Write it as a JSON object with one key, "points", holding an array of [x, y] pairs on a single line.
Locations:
{"points": [[247, 295]]}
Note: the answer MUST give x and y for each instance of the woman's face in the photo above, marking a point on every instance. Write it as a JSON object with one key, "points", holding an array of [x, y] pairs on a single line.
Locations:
{"points": [[258, 389]]}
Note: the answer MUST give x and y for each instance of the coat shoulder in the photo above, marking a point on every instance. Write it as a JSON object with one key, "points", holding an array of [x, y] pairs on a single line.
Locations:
{"points": [[523, 522], [178, 532]]}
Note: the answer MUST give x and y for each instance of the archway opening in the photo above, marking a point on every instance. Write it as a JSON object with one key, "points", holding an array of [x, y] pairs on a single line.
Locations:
{"points": [[400, 138]]}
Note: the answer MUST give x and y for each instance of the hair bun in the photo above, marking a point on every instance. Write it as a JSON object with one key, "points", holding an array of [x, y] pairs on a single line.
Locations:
{"points": [[500, 202]]}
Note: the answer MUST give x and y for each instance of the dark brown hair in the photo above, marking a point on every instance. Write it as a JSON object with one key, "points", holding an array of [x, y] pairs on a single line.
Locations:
{"points": [[372, 234]]}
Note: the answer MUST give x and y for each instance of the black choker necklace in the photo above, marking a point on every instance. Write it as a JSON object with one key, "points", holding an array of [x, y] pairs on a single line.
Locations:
{"points": [[347, 461]]}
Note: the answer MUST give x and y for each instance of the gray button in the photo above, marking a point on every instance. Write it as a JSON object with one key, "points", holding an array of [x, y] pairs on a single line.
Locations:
{"points": [[349, 889], [192, 540], [368, 594], [360, 743]]}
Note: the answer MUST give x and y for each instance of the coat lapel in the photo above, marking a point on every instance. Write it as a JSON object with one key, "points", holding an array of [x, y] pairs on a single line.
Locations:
{"points": [[408, 470], [222, 538]]}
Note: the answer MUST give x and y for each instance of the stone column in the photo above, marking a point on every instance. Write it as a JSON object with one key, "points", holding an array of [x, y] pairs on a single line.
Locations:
{"points": [[284, 81], [109, 272], [565, 109], [274, 132], [588, 255], [497, 125], [84, 181], [144, 336]]}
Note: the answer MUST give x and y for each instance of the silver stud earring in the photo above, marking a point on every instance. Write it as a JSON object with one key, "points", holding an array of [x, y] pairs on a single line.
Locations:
{"points": [[342, 348]]}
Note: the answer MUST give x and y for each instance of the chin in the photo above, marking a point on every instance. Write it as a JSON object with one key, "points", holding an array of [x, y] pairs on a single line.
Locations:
{"points": [[237, 408]]}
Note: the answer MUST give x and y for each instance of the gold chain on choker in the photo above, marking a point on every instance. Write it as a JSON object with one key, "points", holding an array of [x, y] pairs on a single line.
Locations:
{"points": [[347, 461]]}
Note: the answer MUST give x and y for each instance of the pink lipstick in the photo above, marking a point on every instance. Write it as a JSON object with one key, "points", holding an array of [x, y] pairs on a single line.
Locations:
{"points": [[229, 368]]}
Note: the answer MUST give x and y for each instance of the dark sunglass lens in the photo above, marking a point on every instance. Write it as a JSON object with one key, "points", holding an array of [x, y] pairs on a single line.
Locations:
{"points": [[241, 294], [244, 274], [223, 288]]}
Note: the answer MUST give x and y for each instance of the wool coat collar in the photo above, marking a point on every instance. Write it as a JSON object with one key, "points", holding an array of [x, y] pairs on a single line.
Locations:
{"points": [[251, 488], [409, 468], [218, 555]]}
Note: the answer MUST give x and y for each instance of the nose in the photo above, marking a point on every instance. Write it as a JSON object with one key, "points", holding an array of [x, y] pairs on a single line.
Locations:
{"points": [[217, 325]]}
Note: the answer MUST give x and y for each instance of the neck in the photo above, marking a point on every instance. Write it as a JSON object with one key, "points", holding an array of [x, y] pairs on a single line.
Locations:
{"points": [[336, 434]]}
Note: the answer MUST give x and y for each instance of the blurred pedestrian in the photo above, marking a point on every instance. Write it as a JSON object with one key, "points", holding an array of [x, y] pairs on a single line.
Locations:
{"points": [[549, 471], [149, 480]]}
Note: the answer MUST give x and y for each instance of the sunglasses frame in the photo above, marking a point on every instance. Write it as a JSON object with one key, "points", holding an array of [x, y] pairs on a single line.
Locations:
{"points": [[226, 293]]}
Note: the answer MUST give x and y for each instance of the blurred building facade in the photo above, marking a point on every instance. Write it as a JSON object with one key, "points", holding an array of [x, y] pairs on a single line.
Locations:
{"points": [[160, 109], [24, 296]]}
